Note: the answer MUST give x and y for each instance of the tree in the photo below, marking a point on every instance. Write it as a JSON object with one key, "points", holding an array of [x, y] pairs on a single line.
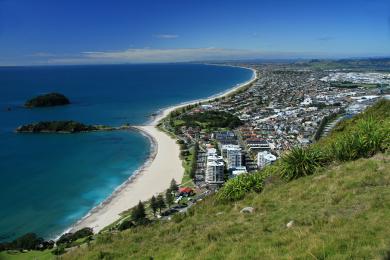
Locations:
{"points": [[138, 214], [154, 205], [169, 198], [161, 202], [28, 241], [174, 187]]}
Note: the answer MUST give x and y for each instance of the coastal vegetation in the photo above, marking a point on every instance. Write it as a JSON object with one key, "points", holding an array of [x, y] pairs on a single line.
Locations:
{"points": [[207, 120], [47, 100], [65, 127], [29, 241], [70, 239], [189, 158], [56, 127]]}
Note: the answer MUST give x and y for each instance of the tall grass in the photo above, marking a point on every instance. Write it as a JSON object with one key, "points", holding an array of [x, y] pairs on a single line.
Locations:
{"points": [[363, 138]]}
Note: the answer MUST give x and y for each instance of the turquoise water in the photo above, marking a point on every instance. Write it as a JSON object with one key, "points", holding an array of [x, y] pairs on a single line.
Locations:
{"points": [[49, 181]]}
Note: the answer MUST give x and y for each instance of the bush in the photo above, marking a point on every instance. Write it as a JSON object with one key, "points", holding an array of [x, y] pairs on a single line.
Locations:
{"points": [[59, 250], [28, 241], [236, 188], [300, 162], [364, 138], [126, 224], [70, 237]]}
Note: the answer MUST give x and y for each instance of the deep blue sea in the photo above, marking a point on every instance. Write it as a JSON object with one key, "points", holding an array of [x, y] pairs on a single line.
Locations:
{"points": [[49, 181]]}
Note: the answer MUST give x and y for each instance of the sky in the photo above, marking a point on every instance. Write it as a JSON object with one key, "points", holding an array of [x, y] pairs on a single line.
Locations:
{"points": [[40, 32]]}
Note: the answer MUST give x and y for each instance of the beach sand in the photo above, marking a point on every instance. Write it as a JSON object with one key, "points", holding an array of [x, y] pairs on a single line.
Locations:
{"points": [[153, 178]]}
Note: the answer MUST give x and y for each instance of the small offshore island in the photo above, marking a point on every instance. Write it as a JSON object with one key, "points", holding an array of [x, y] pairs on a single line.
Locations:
{"points": [[64, 127], [47, 100]]}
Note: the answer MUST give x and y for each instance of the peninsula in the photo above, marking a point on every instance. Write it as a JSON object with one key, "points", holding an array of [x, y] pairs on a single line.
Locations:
{"points": [[47, 100]]}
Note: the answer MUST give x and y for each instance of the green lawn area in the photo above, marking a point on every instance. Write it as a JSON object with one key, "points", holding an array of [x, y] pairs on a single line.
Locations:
{"points": [[187, 162], [38, 255], [342, 212]]}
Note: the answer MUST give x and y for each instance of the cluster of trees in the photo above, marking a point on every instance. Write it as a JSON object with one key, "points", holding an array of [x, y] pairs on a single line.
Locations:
{"points": [[32, 241], [29, 241], [194, 161], [182, 110], [68, 238], [138, 214], [56, 126], [47, 100], [324, 122], [212, 119]]}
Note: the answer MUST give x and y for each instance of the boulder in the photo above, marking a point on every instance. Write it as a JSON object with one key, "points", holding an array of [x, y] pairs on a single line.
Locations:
{"points": [[247, 210], [290, 224]]}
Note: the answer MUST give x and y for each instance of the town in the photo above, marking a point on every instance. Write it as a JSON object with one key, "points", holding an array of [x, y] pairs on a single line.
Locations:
{"points": [[285, 107]]}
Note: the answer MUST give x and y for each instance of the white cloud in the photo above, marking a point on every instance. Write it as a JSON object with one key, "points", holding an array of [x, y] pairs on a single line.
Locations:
{"points": [[42, 54], [166, 36], [147, 55], [172, 55]]}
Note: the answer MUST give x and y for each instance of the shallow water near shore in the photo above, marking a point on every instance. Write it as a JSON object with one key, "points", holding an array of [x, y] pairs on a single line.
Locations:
{"points": [[49, 181]]}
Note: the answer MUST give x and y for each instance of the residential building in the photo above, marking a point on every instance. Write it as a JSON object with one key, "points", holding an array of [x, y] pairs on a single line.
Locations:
{"points": [[265, 158], [215, 167]]}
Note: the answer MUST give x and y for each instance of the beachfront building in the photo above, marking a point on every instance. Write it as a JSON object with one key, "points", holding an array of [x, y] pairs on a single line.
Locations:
{"points": [[234, 157], [265, 158], [214, 167]]}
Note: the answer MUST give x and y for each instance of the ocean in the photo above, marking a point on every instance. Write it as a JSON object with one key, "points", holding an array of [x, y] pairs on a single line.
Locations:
{"points": [[50, 181]]}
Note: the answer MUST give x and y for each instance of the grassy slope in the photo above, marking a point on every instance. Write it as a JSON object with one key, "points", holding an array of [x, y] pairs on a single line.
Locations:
{"points": [[38, 255], [340, 213]]}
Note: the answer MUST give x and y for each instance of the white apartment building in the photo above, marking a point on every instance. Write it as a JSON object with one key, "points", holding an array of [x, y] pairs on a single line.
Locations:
{"points": [[214, 167], [234, 158], [265, 158]]}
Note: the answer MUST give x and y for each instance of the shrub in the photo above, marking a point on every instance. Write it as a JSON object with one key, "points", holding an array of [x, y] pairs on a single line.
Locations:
{"points": [[70, 237], [236, 188], [28, 241], [126, 224], [59, 250], [301, 162], [364, 138]]}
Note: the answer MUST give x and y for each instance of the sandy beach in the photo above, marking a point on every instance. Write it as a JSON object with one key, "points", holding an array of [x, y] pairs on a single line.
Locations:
{"points": [[152, 178]]}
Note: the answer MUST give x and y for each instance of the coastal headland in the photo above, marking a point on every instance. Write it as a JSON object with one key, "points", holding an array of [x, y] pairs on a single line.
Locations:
{"points": [[154, 176]]}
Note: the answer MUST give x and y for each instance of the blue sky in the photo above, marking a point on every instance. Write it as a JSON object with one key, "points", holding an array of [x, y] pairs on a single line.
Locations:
{"points": [[84, 31]]}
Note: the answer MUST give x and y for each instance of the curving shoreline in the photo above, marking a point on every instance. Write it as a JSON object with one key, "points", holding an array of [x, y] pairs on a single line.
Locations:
{"points": [[154, 175]]}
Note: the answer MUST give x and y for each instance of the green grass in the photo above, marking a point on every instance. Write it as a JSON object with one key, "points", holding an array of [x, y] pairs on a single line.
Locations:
{"points": [[342, 212], [187, 162], [38, 255]]}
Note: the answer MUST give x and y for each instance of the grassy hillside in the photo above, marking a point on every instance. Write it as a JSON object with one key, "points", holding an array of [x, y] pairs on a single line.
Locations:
{"points": [[339, 213]]}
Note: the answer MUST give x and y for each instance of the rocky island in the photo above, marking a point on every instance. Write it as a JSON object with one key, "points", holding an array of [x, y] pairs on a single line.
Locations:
{"points": [[47, 100], [56, 127], [65, 127]]}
